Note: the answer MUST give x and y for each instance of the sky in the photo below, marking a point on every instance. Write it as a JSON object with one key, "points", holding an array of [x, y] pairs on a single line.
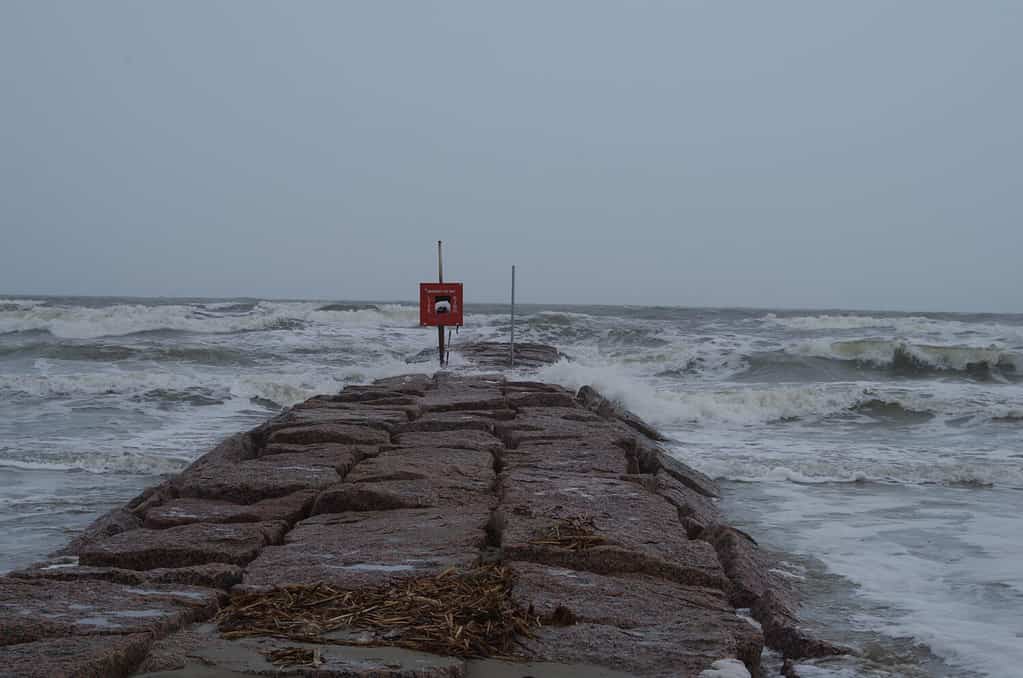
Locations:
{"points": [[791, 154]]}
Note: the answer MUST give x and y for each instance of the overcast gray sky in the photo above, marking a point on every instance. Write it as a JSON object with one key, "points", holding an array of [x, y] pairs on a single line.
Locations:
{"points": [[830, 154]]}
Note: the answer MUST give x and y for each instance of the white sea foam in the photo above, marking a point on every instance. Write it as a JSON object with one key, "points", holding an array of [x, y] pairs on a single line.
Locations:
{"points": [[737, 405], [281, 387], [743, 397], [884, 353], [96, 461], [816, 457], [726, 668], [110, 382], [848, 322], [951, 594], [907, 327], [740, 404], [20, 303], [79, 322]]}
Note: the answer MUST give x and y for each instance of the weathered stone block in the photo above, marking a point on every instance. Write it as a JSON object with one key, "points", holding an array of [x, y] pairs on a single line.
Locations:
{"points": [[352, 550], [412, 384], [569, 456], [76, 657], [434, 422], [454, 399], [519, 399], [345, 434], [645, 652], [691, 505], [210, 575], [497, 354], [626, 601], [195, 544], [466, 439], [632, 530], [539, 424], [116, 521], [413, 478], [289, 509], [34, 609], [215, 657], [345, 455], [269, 476], [372, 417], [653, 459], [700, 620]]}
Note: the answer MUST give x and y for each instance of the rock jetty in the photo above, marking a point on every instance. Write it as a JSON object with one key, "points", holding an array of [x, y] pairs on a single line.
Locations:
{"points": [[417, 526]]}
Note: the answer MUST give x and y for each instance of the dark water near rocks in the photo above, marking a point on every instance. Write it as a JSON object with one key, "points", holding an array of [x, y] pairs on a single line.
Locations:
{"points": [[878, 453]]}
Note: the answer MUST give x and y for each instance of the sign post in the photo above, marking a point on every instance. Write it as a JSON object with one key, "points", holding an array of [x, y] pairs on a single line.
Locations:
{"points": [[440, 305]]}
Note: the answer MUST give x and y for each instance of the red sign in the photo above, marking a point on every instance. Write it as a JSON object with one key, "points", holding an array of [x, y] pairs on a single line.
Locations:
{"points": [[440, 304]]}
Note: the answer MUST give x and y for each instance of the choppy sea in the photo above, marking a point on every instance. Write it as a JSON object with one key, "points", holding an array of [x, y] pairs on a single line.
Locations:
{"points": [[878, 455]]}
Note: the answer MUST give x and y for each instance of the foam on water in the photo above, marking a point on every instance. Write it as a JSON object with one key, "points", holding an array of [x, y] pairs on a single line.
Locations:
{"points": [[669, 404], [901, 325], [726, 668], [918, 357], [18, 304], [958, 595], [868, 442], [79, 322]]}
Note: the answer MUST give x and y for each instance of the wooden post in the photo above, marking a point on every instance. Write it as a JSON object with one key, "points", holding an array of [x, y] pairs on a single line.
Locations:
{"points": [[440, 328]]}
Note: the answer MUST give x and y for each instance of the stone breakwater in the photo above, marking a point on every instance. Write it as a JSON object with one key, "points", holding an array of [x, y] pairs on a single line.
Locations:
{"points": [[615, 553]]}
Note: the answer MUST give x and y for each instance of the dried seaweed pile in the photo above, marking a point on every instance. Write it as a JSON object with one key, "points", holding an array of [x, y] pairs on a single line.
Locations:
{"points": [[463, 614], [295, 656], [575, 533]]}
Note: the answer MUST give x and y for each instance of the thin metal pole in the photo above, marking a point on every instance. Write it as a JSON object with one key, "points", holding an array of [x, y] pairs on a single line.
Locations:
{"points": [[511, 351], [440, 264], [440, 328]]}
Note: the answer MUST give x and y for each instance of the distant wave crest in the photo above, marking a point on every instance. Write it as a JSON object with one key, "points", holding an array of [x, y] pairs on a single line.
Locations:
{"points": [[80, 322], [910, 358]]}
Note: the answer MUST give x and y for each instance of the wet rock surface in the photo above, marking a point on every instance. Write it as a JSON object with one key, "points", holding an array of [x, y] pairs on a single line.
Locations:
{"points": [[277, 475], [209, 655], [35, 609], [619, 559], [311, 434], [413, 478], [211, 575], [465, 439], [194, 544], [627, 529], [75, 656], [499, 354], [186, 510], [368, 548]]}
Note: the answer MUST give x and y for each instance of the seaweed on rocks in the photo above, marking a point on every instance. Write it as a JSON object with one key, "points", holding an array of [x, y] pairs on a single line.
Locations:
{"points": [[460, 614], [574, 533]]}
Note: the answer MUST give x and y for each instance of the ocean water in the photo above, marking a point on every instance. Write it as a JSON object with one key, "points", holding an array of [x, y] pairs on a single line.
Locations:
{"points": [[878, 455]]}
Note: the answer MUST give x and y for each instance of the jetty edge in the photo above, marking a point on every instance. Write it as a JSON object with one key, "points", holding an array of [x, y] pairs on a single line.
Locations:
{"points": [[454, 525]]}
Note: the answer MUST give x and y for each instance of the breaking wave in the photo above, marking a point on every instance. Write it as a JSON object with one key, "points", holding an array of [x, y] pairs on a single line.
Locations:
{"points": [[966, 476], [52, 350], [906, 358], [948, 329], [168, 387], [79, 322], [93, 462], [19, 304], [848, 322], [736, 404]]}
